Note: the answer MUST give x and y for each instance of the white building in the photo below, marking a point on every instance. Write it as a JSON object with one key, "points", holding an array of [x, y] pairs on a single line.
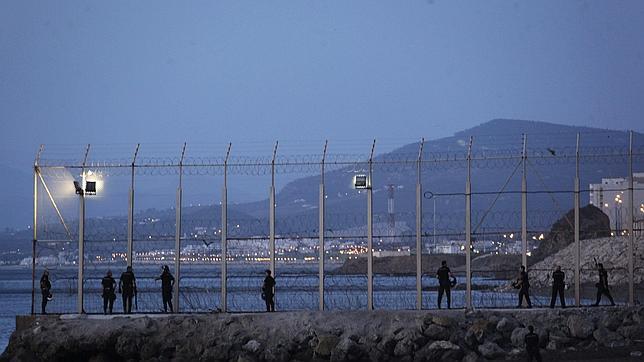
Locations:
{"points": [[611, 196]]}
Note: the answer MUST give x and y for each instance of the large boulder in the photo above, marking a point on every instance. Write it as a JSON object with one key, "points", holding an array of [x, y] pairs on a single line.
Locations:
{"points": [[443, 321], [346, 350], [326, 344], [506, 325], [518, 337], [593, 223], [491, 350], [404, 347], [608, 338], [611, 321], [436, 332], [580, 327], [439, 351]]}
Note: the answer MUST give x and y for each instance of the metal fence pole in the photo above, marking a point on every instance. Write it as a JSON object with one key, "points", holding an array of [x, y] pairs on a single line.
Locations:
{"points": [[321, 228], [419, 228], [631, 235], [271, 215], [35, 233], [177, 236], [130, 214], [577, 241], [370, 232], [81, 237], [224, 236], [468, 229], [524, 206]]}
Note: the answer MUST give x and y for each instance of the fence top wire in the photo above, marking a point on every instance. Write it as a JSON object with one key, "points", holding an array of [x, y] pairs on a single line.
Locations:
{"points": [[341, 153]]}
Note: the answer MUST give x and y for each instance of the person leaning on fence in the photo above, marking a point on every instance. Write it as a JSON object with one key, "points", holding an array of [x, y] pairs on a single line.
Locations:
{"points": [[532, 345], [109, 295], [443, 274], [127, 286], [45, 290], [602, 286], [268, 291], [524, 287], [167, 283], [558, 286]]}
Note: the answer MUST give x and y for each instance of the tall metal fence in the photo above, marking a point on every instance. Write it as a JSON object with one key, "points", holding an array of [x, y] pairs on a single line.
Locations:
{"points": [[485, 204]]}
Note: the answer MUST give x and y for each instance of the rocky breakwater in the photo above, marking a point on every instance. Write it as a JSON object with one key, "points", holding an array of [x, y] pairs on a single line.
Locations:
{"points": [[335, 336]]}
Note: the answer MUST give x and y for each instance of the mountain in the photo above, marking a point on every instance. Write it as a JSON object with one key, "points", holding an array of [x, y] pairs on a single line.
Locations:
{"points": [[550, 169]]}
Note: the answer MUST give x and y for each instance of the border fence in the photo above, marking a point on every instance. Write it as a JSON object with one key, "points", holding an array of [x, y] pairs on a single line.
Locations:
{"points": [[340, 230]]}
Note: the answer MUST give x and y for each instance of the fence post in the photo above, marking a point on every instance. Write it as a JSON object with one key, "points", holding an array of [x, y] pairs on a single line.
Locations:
{"points": [[130, 214], [177, 236], [524, 205], [370, 231], [35, 233], [321, 228], [468, 229], [419, 228], [81, 237], [577, 241], [631, 235], [271, 212], [224, 235]]}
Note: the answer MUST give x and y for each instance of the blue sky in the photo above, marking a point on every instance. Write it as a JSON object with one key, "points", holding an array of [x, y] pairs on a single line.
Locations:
{"points": [[74, 72]]}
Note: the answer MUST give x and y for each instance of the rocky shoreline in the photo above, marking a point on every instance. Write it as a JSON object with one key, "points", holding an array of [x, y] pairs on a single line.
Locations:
{"points": [[337, 336]]}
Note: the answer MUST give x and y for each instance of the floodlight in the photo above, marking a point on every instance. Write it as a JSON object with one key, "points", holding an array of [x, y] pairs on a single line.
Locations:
{"points": [[79, 189], [360, 182], [90, 187]]}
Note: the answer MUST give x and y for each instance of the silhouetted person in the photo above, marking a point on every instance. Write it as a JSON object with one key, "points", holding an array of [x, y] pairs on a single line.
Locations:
{"points": [[268, 290], [558, 286], [127, 286], [524, 291], [532, 345], [45, 290], [167, 283], [109, 292], [602, 286], [443, 274]]}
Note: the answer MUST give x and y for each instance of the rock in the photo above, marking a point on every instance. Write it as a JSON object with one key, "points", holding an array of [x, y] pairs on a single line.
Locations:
{"points": [[472, 357], [611, 321], [506, 325], [491, 350], [593, 224], [446, 350], [543, 337], [631, 332], [243, 358], [471, 339], [516, 353], [413, 335], [387, 345], [559, 338], [479, 329], [518, 337], [346, 350], [580, 327], [436, 332], [404, 347], [252, 346], [608, 338], [326, 344], [443, 321]]}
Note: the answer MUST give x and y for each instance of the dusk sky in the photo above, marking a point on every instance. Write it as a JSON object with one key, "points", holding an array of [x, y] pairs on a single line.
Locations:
{"points": [[75, 72]]}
